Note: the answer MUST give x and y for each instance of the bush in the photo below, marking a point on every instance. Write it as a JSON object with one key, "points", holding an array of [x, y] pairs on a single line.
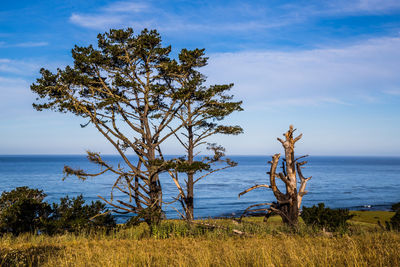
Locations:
{"points": [[396, 207], [71, 215], [326, 218], [23, 210], [394, 223]]}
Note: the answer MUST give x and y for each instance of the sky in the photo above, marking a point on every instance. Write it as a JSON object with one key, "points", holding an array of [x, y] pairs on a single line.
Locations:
{"points": [[330, 68]]}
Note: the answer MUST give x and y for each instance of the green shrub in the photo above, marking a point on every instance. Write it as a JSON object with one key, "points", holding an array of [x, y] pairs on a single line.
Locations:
{"points": [[394, 223], [23, 210], [326, 218], [72, 215], [396, 207]]}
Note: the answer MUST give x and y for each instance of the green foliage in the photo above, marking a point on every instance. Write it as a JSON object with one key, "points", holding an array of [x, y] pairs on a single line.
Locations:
{"points": [[396, 206], [72, 215], [137, 97], [128, 88], [23, 210], [326, 218], [394, 223]]}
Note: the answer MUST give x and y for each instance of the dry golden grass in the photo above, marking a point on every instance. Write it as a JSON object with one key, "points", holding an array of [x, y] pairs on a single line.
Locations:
{"points": [[172, 246], [372, 249]]}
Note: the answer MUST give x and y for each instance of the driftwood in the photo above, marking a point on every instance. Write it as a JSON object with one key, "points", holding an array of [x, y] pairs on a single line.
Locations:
{"points": [[288, 204]]}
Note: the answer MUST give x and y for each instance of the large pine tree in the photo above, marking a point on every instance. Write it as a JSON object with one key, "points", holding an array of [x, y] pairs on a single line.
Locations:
{"points": [[124, 88]]}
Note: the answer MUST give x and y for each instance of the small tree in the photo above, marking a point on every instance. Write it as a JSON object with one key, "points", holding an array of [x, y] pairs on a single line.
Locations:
{"points": [[200, 117], [23, 210], [124, 89], [288, 203]]}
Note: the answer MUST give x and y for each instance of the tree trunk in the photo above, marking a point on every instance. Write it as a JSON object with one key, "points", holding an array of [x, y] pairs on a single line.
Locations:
{"points": [[290, 212], [189, 198], [153, 212], [190, 182]]}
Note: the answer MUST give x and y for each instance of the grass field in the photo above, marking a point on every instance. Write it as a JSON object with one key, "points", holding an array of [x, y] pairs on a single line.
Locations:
{"points": [[175, 244]]}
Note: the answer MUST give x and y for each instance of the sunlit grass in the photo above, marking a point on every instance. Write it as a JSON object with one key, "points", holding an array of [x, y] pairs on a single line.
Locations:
{"points": [[371, 216], [174, 243]]}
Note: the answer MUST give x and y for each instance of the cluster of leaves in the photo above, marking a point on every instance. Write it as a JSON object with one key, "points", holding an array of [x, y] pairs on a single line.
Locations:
{"points": [[23, 210], [326, 218]]}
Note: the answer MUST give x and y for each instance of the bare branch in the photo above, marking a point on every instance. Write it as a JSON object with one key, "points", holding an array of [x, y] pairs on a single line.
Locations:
{"points": [[252, 206], [215, 170], [252, 188], [297, 138], [304, 156], [116, 206]]}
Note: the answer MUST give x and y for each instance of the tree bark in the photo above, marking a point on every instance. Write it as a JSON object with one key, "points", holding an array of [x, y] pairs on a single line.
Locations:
{"points": [[190, 181]]}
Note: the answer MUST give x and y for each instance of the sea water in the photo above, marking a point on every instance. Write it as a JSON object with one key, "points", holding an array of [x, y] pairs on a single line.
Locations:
{"points": [[370, 183]]}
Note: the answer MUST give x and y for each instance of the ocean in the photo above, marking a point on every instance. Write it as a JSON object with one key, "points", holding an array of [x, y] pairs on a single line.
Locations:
{"points": [[356, 183]]}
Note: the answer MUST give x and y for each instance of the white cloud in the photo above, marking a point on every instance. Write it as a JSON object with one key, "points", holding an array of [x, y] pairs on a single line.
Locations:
{"points": [[347, 75], [112, 15], [125, 7], [95, 21], [210, 18], [216, 18], [25, 44], [32, 44], [372, 5], [19, 67], [342, 7]]}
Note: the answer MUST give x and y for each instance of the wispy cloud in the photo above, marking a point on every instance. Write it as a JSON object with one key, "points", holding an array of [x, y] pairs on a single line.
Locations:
{"points": [[210, 18], [95, 21], [218, 17], [304, 9], [370, 6], [336, 76], [394, 92], [32, 44], [24, 44], [125, 7], [112, 15], [19, 67]]}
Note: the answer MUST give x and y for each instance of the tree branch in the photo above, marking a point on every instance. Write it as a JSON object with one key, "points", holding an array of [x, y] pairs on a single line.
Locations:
{"points": [[252, 188]]}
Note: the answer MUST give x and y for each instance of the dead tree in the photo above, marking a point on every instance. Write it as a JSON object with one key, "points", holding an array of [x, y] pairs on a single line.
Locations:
{"points": [[287, 205]]}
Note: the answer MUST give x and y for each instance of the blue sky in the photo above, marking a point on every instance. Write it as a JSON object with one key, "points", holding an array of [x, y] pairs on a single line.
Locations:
{"points": [[331, 68]]}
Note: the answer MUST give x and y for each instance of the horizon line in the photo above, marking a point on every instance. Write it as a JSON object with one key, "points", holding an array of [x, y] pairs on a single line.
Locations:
{"points": [[228, 155]]}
